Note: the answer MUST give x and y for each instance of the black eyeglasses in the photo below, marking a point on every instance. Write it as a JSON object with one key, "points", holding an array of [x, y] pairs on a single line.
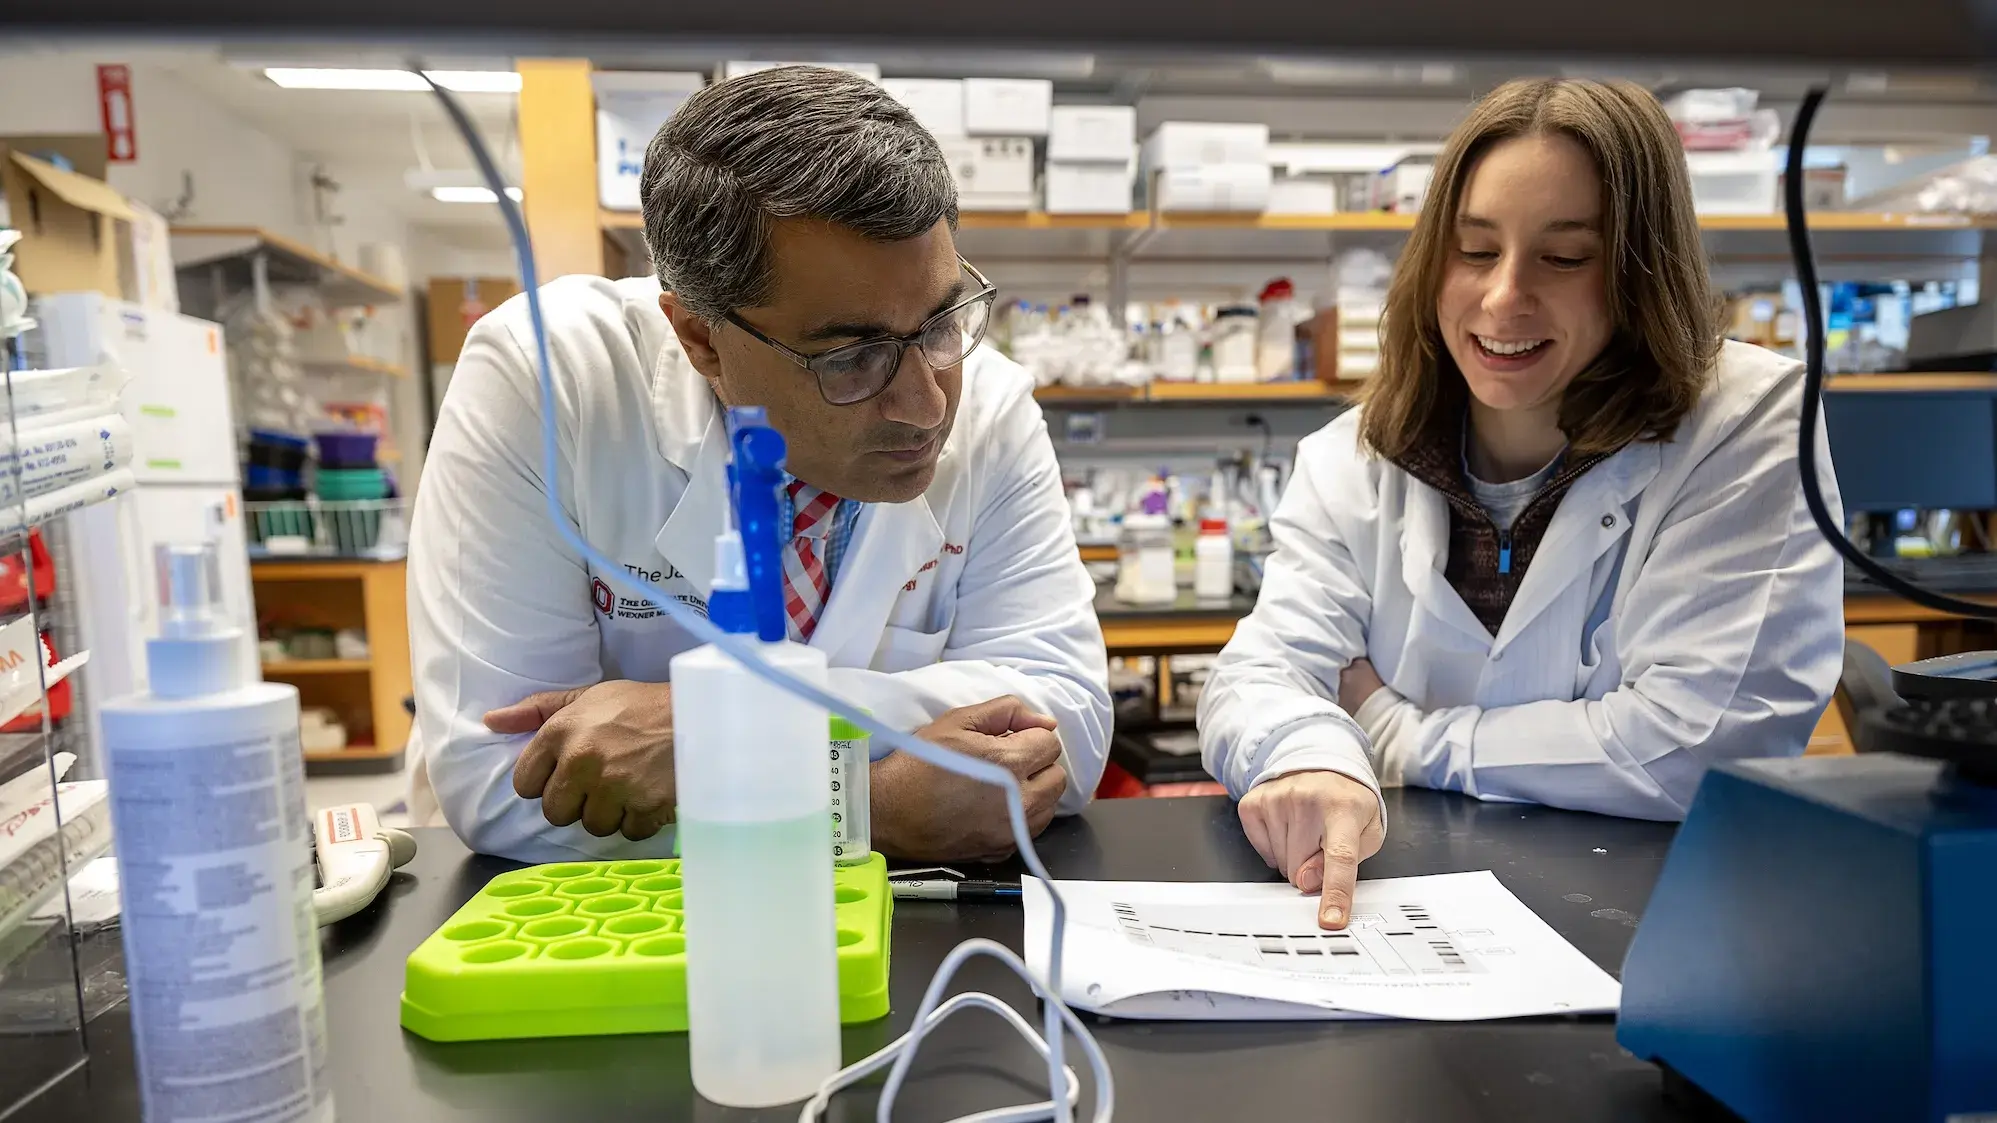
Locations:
{"points": [[853, 373]]}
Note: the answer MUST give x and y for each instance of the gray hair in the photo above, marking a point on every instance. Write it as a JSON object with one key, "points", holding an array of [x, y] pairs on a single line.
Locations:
{"points": [[793, 142]]}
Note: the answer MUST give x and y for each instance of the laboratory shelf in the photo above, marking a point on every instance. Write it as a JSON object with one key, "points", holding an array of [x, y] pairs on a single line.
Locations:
{"points": [[232, 250], [369, 694]]}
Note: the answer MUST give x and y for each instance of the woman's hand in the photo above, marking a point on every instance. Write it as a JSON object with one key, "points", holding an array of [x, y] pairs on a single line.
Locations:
{"points": [[1356, 684], [1315, 828]]}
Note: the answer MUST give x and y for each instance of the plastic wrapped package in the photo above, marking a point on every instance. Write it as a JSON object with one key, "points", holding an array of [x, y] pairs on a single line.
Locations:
{"points": [[1969, 187], [266, 380]]}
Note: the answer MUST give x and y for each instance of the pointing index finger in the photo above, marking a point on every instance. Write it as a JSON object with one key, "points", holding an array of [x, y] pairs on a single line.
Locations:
{"points": [[1342, 830]]}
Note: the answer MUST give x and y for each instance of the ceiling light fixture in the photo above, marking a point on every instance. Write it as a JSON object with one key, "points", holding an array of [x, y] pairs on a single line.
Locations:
{"points": [[471, 194], [456, 81]]}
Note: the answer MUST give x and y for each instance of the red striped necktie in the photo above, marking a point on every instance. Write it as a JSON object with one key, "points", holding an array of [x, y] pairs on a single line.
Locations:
{"points": [[806, 582]]}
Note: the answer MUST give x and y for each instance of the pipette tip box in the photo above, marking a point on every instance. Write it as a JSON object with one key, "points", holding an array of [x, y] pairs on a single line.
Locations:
{"points": [[583, 948]]}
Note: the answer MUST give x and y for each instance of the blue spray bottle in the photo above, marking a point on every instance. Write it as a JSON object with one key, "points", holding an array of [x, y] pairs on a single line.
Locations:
{"points": [[750, 760]]}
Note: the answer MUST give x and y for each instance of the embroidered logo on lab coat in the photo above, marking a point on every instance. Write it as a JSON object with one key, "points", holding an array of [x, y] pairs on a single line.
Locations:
{"points": [[609, 603]]}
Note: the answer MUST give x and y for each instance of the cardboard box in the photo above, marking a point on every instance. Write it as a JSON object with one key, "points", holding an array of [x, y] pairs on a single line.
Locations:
{"points": [[1215, 187], [993, 173], [75, 230], [1196, 144], [630, 108], [1088, 188], [1007, 106], [938, 103], [1106, 133], [1823, 188]]}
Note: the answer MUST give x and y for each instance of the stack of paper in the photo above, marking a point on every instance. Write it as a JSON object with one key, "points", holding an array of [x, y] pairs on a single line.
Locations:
{"points": [[34, 850], [1448, 947]]}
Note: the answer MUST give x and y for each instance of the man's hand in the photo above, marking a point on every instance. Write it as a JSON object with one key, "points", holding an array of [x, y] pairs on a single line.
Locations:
{"points": [[1315, 828], [921, 811], [603, 755], [1356, 683]]}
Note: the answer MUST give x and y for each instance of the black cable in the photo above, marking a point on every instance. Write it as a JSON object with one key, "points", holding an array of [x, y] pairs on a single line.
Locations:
{"points": [[1813, 386]]}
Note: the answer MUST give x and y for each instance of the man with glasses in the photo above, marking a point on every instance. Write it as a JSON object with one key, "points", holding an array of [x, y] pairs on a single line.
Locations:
{"points": [[802, 226]]}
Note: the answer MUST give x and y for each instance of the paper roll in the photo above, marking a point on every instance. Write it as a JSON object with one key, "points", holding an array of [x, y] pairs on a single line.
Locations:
{"points": [[56, 456]]}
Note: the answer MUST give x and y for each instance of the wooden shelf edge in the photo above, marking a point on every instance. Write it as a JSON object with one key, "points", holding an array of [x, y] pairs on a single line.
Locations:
{"points": [[1239, 391], [363, 752], [356, 364], [319, 569], [1085, 394], [1912, 380], [319, 667], [619, 220], [1375, 221], [389, 294]]}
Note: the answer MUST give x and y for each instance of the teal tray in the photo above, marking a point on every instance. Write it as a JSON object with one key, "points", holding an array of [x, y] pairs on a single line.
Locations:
{"points": [[583, 948]]}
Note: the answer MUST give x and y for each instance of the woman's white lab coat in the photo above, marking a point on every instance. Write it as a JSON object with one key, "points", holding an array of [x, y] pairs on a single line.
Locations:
{"points": [[972, 591], [1682, 610]]}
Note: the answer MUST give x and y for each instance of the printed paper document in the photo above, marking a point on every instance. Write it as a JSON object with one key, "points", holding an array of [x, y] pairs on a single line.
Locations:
{"points": [[1447, 947]]}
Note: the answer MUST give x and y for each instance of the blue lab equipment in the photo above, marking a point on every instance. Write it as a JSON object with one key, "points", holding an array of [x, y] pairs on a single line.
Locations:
{"points": [[755, 472], [1818, 945]]}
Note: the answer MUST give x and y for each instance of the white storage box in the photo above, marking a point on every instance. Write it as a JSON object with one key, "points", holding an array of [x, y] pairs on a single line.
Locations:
{"points": [[1733, 182], [1088, 188], [1194, 144], [993, 173], [936, 102], [1405, 185], [1106, 133], [1303, 194], [736, 68], [1007, 106], [1218, 187], [630, 108], [1357, 364]]}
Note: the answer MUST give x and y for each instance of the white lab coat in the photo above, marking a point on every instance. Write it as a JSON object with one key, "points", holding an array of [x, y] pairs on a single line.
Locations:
{"points": [[1681, 610], [972, 591]]}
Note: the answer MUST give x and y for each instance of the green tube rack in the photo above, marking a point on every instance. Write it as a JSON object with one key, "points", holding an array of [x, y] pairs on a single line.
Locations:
{"points": [[585, 948]]}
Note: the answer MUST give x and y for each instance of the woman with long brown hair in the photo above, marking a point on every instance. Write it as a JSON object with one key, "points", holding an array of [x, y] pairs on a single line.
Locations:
{"points": [[1559, 553]]}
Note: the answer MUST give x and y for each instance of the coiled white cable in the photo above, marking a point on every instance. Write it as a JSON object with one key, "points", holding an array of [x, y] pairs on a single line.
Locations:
{"points": [[1063, 1090]]}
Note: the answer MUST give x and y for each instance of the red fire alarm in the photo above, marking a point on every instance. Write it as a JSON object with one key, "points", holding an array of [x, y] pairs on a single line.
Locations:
{"points": [[114, 98]]}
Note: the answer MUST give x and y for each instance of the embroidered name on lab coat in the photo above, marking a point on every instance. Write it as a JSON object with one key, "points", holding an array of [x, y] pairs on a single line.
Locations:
{"points": [[948, 548]]}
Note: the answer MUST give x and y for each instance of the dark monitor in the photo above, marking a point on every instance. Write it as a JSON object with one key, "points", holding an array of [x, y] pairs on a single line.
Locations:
{"points": [[1914, 448]]}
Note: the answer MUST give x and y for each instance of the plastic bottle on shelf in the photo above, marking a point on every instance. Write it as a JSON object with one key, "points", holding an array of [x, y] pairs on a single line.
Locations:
{"points": [[1235, 332], [1213, 566], [1276, 338], [1145, 574], [1178, 352], [762, 975], [215, 861]]}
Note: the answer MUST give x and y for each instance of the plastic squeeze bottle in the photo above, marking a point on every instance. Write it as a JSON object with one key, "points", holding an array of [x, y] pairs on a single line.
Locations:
{"points": [[762, 975], [208, 810]]}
